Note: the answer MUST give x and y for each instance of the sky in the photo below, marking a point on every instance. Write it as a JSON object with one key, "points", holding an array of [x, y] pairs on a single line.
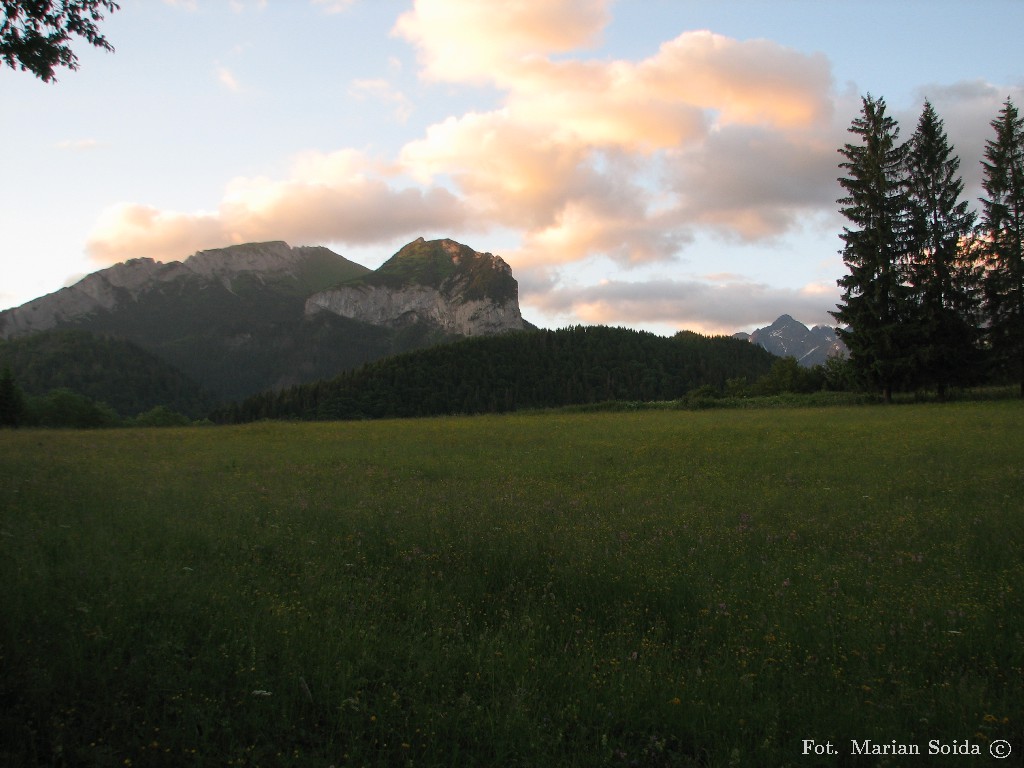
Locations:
{"points": [[656, 164]]}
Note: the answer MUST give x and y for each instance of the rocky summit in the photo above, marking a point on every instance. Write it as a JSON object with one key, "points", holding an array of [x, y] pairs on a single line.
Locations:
{"points": [[440, 283], [787, 337]]}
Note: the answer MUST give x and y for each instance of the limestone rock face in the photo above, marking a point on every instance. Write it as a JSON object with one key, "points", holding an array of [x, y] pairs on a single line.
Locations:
{"points": [[441, 283], [394, 308]]}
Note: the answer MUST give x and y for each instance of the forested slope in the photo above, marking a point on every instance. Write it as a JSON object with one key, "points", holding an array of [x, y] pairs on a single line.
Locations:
{"points": [[108, 370], [529, 369]]}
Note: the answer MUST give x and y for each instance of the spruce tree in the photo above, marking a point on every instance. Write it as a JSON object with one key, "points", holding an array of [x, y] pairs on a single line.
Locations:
{"points": [[874, 300], [943, 279], [1002, 231]]}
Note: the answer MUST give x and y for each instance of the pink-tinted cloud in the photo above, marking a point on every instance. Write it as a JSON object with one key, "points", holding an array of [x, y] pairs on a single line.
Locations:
{"points": [[471, 41], [336, 197], [702, 120]]}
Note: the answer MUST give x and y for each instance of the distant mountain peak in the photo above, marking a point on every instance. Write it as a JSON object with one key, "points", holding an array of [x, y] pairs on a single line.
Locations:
{"points": [[788, 337]]}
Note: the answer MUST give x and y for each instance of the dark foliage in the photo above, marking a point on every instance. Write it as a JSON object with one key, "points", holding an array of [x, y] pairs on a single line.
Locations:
{"points": [[64, 408], [35, 34], [523, 370], [116, 372], [874, 302], [942, 275], [12, 401], [1002, 224]]}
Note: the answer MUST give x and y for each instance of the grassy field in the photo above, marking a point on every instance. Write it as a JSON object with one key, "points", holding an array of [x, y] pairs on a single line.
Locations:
{"points": [[654, 589]]}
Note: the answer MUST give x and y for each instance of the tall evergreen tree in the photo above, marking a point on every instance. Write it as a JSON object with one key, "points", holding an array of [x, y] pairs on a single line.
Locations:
{"points": [[874, 300], [1002, 226], [943, 278]]}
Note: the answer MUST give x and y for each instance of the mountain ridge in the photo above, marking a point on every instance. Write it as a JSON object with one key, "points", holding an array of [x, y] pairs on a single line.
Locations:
{"points": [[237, 320]]}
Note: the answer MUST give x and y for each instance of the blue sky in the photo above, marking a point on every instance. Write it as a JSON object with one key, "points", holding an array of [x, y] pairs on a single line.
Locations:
{"points": [[650, 163]]}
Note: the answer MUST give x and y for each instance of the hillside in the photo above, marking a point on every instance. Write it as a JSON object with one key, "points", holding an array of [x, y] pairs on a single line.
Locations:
{"points": [[116, 372], [253, 317], [529, 369]]}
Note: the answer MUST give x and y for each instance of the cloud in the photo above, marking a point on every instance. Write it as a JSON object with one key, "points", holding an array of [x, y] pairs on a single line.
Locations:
{"points": [[515, 172], [127, 230], [735, 136], [470, 41], [582, 157], [967, 108], [707, 306], [754, 183], [336, 197]]}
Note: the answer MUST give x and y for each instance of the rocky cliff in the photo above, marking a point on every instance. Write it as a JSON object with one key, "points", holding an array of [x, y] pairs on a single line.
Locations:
{"points": [[440, 283]]}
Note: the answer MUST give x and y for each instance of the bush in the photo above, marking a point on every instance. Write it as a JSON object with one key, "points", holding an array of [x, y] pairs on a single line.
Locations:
{"points": [[161, 416], [65, 408]]}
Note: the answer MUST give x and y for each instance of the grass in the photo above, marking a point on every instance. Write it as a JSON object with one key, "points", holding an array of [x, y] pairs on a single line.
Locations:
{"points": [[656, 588]]}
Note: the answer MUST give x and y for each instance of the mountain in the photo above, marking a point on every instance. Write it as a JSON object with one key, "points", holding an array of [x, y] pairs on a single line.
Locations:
{"points": [[249, 318], [787, 337], [441, 283]]}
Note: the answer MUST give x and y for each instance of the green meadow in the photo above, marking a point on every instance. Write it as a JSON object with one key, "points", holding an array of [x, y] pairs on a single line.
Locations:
{"points": [[652, 588]]}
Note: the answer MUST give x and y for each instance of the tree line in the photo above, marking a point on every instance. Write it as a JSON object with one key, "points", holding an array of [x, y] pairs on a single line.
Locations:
{"points": [[578, 365], [934, 296]]}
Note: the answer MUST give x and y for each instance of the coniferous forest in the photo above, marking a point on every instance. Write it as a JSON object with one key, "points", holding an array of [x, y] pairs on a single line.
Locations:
{"points": [[528, 369], [934, 297]]}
